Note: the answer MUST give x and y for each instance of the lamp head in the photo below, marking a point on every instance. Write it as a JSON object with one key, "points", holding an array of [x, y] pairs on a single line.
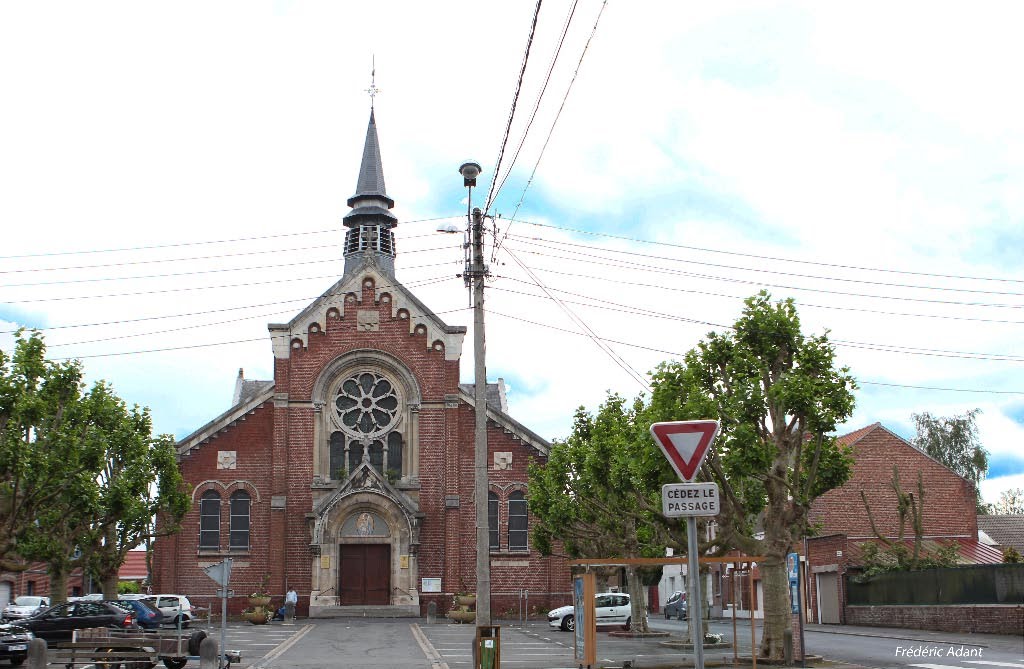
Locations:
{"points": [[470, 170]]}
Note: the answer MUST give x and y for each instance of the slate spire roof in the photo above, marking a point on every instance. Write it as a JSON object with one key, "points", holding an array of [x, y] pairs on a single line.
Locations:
{"points": [[370, 185], [369, 237]]}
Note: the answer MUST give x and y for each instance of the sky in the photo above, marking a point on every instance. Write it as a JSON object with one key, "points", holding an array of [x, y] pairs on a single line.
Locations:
{"points": [[173, 177]]}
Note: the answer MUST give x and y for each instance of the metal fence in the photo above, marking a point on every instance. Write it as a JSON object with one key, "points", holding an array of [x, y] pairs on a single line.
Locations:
{"points": [[969, 584]]}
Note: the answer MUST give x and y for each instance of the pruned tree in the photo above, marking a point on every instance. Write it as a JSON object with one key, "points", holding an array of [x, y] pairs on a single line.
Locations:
{"points": [[954, 442], [891, 554], [779, 395], [598, 493]]}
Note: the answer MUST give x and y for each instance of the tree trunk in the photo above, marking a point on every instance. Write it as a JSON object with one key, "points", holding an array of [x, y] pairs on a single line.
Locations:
{"points": [[109, 583], [637, 601], [58, 583], [777, 618]]}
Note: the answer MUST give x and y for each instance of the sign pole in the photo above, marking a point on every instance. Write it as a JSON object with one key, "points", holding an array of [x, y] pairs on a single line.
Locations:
{"points": [[695, 609]]}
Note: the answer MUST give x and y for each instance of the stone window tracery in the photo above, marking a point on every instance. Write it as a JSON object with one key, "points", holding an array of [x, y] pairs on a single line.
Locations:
{"points": [[367, 417]]}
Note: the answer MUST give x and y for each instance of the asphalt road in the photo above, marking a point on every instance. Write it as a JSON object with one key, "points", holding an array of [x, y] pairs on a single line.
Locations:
{"points": [[358, 643]]}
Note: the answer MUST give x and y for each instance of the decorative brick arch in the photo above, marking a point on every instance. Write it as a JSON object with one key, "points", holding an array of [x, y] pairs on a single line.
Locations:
{"points": [[213, 484]]}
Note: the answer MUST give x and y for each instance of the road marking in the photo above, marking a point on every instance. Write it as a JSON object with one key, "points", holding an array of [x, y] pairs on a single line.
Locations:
{"points": [[997, 664], [274, 654], [428, 649]]}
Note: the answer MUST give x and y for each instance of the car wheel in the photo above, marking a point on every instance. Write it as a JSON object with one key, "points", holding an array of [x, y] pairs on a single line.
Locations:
{"points": [[626, 626], [181, 621], [667, 615], [18, 660], [194, 640], [682, 616], [569, 623], [175, 662]]}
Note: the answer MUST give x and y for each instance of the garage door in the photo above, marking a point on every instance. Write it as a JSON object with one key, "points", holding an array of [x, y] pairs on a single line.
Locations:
{"points": [[5, 593], [828, 598]]}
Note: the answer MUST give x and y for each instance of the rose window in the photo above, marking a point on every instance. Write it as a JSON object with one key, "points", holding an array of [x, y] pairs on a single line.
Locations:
{"points": [[367, 404]]}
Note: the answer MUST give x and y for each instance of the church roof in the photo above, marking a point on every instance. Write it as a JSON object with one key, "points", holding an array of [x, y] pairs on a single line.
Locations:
{"points": [[1005, 530], [370, 183], [497, 412]]}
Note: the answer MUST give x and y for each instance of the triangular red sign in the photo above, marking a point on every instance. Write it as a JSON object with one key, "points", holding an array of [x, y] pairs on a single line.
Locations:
{"points": [[685, 443]]}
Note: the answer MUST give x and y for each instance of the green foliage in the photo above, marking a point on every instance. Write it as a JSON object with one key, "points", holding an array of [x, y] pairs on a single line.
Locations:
{"points": [[897, 556], [128, 588], [954, 442], [1011, 555], [77, 470]]}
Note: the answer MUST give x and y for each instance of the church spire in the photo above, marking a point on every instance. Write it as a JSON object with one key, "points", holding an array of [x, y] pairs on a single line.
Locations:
{"points": [[370, 222]]}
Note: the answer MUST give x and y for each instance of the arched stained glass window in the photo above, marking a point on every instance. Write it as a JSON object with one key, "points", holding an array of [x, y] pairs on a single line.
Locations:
{"points": [[241, 503], [209, 520], [518, 522]]}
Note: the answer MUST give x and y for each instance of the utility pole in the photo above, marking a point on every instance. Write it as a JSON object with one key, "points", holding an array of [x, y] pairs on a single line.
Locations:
{"points": [[476, 273], [483, 538]]}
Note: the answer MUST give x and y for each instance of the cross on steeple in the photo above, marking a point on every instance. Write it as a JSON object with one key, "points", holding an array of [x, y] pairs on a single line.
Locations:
{"points": [[373, 90]]}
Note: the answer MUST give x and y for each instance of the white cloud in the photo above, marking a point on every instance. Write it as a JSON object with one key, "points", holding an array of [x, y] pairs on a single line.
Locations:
{"points": [[775, 131]]}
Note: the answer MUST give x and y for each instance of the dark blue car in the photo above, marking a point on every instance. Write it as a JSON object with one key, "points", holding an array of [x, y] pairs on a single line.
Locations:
{"points": [[145, 617]]}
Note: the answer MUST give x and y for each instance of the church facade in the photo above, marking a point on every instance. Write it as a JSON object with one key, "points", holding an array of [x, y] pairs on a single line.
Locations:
{"points": [[349, 476]]}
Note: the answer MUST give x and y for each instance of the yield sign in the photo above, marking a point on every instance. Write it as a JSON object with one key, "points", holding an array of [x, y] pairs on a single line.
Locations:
{"points": [[685, 443]]}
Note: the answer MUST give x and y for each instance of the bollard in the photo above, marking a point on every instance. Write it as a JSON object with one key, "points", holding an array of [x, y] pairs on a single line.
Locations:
{"points": [[431, 613], [209, 654], [37, 654], [787, 647]]}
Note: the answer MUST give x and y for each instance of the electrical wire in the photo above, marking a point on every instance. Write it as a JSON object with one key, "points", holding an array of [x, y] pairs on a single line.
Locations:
{"points": [[551, 130], [616, 358], [540, 96], [190, 258], [515, 101], [171, 290], [206, 345], [644, 267], [681, 355], [817, 277], [201, 243], [764, 257]]}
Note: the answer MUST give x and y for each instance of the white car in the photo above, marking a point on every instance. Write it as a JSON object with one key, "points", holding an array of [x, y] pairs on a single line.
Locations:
{"points": [[177, 609], [611, 608], [26, 606]]}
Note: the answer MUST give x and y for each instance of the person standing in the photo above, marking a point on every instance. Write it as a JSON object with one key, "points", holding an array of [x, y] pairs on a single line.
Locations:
{"points": [[291, 599]]}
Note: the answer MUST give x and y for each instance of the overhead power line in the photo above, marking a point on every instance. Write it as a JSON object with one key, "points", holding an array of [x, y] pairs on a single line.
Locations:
{"points": [[647, 268], [512, 110], [446, 247], [702, 249], [551, 130], [170, 245], [760, 270], [677, 354]]}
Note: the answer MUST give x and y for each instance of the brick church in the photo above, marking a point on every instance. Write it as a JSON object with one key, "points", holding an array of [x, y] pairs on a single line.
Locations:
{"points": [[349, 476]]}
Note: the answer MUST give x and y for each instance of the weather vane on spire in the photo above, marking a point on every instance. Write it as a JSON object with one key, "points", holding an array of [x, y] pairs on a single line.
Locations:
{"points": [[373, 90]]}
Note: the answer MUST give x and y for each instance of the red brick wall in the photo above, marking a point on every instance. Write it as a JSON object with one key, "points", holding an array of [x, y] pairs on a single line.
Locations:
{"points": [[949, 504], [823, 551], [177, 560], [991, 619]]}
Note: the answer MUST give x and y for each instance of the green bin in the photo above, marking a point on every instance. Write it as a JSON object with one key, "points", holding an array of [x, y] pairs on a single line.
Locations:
{"points": [[487, 647]]}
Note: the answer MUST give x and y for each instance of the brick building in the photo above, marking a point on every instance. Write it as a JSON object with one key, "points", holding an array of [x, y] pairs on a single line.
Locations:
{"points": [[349, 476], [948, 515]]}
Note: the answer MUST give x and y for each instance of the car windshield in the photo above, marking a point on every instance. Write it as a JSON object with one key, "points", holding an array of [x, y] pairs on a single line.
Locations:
{"points": [[26, 600]]}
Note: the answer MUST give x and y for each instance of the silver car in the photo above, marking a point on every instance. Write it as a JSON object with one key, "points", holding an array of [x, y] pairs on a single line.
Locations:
{"points": [[26, 606], [675, 607]]}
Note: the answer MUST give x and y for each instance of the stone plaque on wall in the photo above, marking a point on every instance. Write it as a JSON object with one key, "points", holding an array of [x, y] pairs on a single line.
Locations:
{"points": [[227, 459], [367, 320]]}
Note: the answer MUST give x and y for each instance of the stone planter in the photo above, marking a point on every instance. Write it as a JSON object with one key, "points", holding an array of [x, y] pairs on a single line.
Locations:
{"points": [[466, 600], [462, 616], [260, 600], [256, 617]]}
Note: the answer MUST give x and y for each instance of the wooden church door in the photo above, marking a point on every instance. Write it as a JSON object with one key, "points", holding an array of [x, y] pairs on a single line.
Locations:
{"points": [[364, 574]]}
